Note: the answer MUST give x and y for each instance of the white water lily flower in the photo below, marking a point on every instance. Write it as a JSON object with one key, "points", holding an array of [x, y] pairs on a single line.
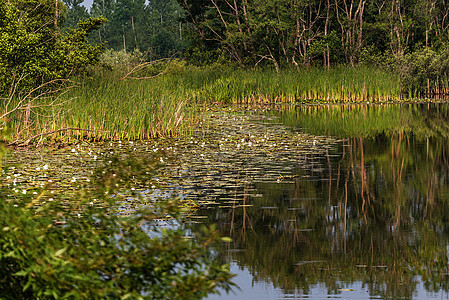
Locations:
{"points": [[24, 192], [73, 150], [45, 167]]}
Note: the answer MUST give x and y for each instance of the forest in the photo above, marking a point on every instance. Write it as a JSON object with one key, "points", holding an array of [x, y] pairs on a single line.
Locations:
{"points": [[278, 32]]}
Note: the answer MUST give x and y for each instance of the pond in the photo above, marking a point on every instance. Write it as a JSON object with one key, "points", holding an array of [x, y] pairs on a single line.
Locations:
{"points": [[367, 218], [328, 201]]}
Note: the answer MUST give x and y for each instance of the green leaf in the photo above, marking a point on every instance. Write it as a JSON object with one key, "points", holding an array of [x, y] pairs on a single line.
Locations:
{"points": [[21, 273], [60, 251]]}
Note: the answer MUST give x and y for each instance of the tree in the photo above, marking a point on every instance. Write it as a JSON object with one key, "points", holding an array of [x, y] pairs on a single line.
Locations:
{"points": [[75, 13], [350, 16], [34, 51]]}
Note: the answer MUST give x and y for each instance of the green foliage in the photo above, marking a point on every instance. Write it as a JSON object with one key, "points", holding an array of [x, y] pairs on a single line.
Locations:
{"points": [[74, 14], [426, 71], [121, 58], [33, 51], [152, 27], [82, 248]]}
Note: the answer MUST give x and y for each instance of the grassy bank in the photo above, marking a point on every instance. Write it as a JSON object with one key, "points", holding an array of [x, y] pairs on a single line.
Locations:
{"points": [[165, 100], [341, 84]]}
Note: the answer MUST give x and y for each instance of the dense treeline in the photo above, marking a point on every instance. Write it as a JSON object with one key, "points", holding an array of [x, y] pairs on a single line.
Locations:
{"points": [[407, 37], [326, 32], [298, 32], [153, 28]]}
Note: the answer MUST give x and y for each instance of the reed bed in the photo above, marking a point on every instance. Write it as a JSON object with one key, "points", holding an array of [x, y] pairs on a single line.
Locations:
{"points": [[128, 110], [109, 105], [338, 85]]}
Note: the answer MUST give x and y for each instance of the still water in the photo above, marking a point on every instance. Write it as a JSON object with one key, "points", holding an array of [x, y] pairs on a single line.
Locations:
{"points": [[368, 218]]}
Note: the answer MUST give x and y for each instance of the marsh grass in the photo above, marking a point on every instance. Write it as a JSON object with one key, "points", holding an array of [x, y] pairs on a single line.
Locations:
{"points": [[127, 110], [165, 99], [341, 84]]}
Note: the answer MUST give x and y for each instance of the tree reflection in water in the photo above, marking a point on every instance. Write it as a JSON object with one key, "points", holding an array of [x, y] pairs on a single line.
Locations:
{"points": [[374, 210]]}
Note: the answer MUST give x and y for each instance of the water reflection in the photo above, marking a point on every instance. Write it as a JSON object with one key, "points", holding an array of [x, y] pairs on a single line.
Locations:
{"points": [[369, 217]]}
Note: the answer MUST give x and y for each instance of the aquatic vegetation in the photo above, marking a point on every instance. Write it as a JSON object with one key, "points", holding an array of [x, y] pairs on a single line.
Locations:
{"points": [[340, 84], [166, 99]]}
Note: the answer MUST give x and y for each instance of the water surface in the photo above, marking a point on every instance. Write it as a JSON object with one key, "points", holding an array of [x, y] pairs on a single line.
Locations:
{"points": [[338, 201], [365, 219]]}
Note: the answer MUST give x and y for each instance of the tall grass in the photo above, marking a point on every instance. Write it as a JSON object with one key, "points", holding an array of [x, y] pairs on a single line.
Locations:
{"points": [[341, 84], [162, 100], [127, 109]]}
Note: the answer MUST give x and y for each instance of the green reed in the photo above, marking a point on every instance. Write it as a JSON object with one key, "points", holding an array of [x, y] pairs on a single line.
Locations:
{"points": [[166, 99], [340, 84], [127, 109]]}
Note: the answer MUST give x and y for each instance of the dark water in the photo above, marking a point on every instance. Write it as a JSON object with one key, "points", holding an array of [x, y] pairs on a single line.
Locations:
{"points": [[369, 219]]}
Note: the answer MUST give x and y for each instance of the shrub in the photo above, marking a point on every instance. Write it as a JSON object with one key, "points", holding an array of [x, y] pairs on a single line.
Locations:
{"points": [[79, 249]]}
